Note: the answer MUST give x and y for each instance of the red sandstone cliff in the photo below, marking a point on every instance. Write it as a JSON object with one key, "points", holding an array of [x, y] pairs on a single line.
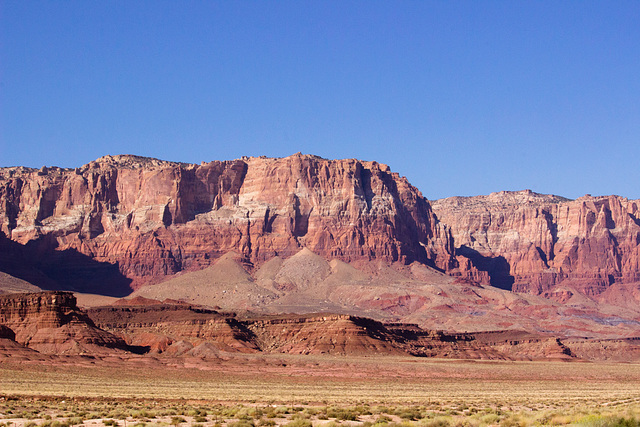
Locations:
{"points": [[120, 222], [191, 331], [534, 241], [149, 218], [50, 322]]}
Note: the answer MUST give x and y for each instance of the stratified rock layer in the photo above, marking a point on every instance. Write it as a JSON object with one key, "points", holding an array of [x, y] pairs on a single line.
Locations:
{"points": [[191, 331], [122, 222], [531, 242], [144, 218], [173, 328], [50, 322]]}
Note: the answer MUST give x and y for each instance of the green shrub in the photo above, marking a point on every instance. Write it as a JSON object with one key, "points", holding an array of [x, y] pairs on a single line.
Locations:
{"points": [[409, 414], [298, 423], [437, 422], [342, 414], [511, 421], [626, 422], [490, 419], [300, 416], [74, 421], [280, 410], [177, 421], [242, 423], [602, 421]]}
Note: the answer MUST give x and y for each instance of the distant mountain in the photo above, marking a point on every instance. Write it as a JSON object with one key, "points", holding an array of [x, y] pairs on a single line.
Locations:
{"points": [[533, 243], [153, 218], [306, 234]]}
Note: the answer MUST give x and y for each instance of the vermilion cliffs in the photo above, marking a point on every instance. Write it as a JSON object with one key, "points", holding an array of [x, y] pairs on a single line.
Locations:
{"points": [[51, 323], [305, 234], [530, 242], [153, 218]]}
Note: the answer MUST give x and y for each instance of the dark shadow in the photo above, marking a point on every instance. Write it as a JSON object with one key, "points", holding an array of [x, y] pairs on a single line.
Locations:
{"points": [[202, 188], [38, 262], [634, 219], [138, 349], [498, 268], [553, 229], [365, 177], [412, 223], [609, 222], [542, 256], [268, 221]]}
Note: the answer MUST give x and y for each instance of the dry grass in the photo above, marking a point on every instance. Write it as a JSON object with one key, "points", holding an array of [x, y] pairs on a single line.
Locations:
{"points": [[320, 390]]}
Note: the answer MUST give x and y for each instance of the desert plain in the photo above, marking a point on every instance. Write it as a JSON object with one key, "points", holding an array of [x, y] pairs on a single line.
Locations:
{"points": [[318, 390]]}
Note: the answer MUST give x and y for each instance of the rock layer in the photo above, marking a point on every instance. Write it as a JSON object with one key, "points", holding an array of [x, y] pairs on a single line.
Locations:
{"points": [[50, 322], [190, 331], [166, 327], [122, 222], [145, 218], [530, 242]]}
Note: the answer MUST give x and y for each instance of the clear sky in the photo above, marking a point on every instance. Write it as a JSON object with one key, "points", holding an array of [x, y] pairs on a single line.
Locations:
{"points": [[462, 97]]}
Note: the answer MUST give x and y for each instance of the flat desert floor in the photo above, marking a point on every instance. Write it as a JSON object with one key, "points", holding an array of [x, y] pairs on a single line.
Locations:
{"points": [[316, 390]]}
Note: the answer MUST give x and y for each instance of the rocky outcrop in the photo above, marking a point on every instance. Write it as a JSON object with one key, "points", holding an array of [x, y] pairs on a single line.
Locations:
{"points": [[323, 334], [144, 218], [50, 322], [530, 242], [173, 328], [617, 350], [182, 330], [177, 330]]}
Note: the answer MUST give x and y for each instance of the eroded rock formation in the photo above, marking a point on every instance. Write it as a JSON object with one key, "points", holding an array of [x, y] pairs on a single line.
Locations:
{"points": [[531, 242], [50, 322], [174, 328], [148, 218], [122, 222], [190, 331]]}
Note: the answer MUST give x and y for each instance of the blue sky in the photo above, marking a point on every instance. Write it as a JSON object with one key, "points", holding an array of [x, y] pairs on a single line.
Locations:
{"points": [[462, 97]]}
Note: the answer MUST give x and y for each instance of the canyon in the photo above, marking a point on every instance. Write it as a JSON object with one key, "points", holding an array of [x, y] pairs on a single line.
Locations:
{"points": [[309, 236]]}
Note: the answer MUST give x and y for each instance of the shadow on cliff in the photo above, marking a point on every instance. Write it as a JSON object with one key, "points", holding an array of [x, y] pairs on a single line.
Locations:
{"points": [[39, 263], [498, 268], [411, 224]]}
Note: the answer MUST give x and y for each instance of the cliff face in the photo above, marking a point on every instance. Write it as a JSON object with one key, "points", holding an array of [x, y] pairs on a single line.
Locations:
{"points": [[121, 222], [531, 242], [50, 322], [188, 331], [149, 218]]}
